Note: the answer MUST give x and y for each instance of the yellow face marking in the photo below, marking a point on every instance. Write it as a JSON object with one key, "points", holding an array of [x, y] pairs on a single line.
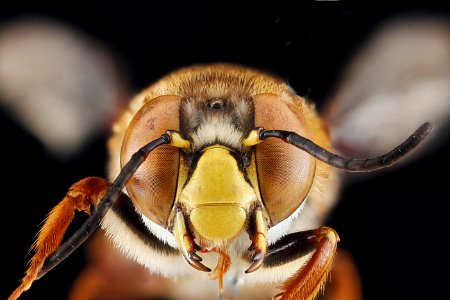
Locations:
{"points": [[252, 139], [219, 222], [217, 195], [178, 141]]}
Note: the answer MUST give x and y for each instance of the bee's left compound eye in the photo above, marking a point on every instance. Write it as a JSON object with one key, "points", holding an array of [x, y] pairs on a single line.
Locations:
{"points": [[153, 186], [285, 173]]}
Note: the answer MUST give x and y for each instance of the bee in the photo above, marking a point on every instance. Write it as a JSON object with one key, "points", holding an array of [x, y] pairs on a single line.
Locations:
{"points": [[221, 179]]}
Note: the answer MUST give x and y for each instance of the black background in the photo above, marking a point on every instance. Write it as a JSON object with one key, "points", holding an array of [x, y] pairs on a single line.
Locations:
{"points": [[394, 224]]}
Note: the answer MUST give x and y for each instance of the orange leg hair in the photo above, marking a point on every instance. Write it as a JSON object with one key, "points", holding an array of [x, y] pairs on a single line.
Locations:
{"points": [[80, 196], [345, 282], [310, 279]]}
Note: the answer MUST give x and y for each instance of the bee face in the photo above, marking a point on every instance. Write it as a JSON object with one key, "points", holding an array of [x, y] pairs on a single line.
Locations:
{"points": [[200, 170], [218, 180]]}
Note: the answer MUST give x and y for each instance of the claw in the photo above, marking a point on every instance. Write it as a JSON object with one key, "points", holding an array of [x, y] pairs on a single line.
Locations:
{"points": [[198, 265], [259, 256], [194, 256], [278, 296], [187, 244], [257, 262], [260, 246], [259, 242], [194, 245]]}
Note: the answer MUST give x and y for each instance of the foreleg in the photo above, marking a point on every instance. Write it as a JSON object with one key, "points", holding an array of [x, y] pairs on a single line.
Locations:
{"points": [[81, 196], [307, 282]]}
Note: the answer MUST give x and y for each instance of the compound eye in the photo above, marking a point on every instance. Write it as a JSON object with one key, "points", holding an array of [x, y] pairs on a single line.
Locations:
{"points": [[152, 188], [285, 173]]}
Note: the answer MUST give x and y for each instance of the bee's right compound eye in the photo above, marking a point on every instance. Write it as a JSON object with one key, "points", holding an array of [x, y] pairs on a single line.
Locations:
{"points": [[152, 188], [285, 173]]}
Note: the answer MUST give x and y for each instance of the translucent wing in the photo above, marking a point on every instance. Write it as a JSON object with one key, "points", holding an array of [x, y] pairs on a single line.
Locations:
{"points": [[399, 79], [60, 84]]}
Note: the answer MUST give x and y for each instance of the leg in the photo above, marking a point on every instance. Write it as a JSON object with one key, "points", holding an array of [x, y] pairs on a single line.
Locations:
{"points": [[310, 279], [80, 196], [344, 283]]}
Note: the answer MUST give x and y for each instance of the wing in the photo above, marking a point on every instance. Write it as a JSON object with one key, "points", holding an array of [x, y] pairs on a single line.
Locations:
{"points": [[399, 79], [58, 83]]}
